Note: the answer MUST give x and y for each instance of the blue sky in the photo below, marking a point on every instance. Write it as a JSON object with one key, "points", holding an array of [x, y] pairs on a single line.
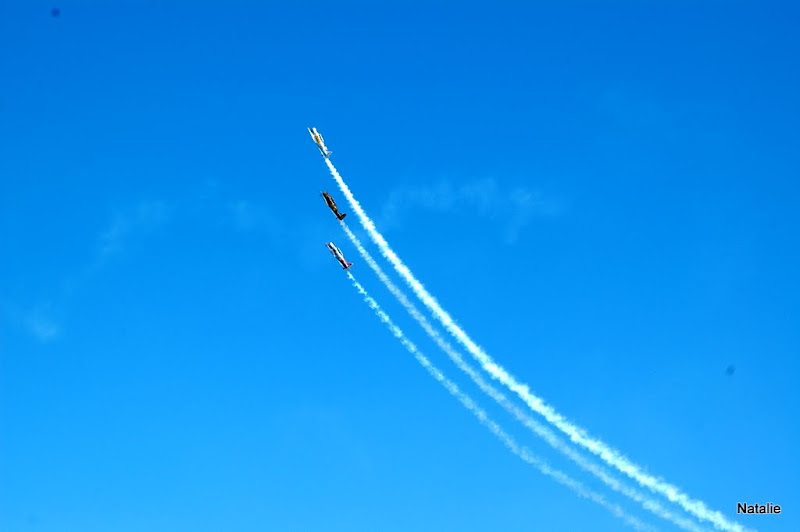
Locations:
{"points": [[604, 196]]}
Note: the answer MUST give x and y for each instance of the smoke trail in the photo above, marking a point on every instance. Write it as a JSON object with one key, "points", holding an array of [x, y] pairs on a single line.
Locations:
{"points": [[507, 440], [577, 435], [540, 430]]}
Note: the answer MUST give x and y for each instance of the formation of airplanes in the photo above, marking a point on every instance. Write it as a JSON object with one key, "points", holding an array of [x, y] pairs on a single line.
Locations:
{"points": [[337, 253]]}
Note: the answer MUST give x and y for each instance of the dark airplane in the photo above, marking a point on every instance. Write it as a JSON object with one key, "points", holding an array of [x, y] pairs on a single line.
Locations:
{"points": [[332, 205]]}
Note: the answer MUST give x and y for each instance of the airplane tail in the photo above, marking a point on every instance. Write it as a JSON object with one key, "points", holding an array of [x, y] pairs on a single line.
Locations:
{"points": [[348, 265], [341, 216]]}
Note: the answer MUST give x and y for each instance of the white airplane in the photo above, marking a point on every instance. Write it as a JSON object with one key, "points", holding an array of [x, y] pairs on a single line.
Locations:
{"points": [[320, 143], [338, 254]]}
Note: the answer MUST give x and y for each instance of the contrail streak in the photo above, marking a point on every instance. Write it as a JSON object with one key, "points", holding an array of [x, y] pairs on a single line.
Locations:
{"points": [[576, 434], [507, 440], [540, 430]]}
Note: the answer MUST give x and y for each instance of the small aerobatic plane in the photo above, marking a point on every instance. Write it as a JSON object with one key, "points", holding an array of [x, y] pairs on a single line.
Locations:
{"points": [[332, 205], [338, 254], [320, 143]]}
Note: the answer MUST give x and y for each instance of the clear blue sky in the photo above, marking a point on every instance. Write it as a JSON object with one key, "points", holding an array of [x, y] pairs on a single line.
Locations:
{"points": [[604, 196]]}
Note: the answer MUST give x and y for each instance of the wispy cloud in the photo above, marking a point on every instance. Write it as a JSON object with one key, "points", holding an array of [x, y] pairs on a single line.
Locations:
{"points": [[244, 215], [125, 224], [206, 206], [513, 207], [36, 321], [42, 327], [143, 217], [631, 113]]}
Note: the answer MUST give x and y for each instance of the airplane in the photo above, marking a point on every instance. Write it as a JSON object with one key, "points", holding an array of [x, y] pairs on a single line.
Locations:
{"points": [[338, 254], [320, 143], [332, 205]]}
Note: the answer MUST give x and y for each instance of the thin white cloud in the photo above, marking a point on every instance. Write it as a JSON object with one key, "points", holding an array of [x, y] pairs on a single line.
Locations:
{"points": [[42, 327], [128, 225], [513, 208], [144, 217], [36, 321], [243, 214]]}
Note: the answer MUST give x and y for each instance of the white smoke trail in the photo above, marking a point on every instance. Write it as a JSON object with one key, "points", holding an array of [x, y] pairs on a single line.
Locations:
{"points": [[507, 440], [577, 435], [540, 430]]}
